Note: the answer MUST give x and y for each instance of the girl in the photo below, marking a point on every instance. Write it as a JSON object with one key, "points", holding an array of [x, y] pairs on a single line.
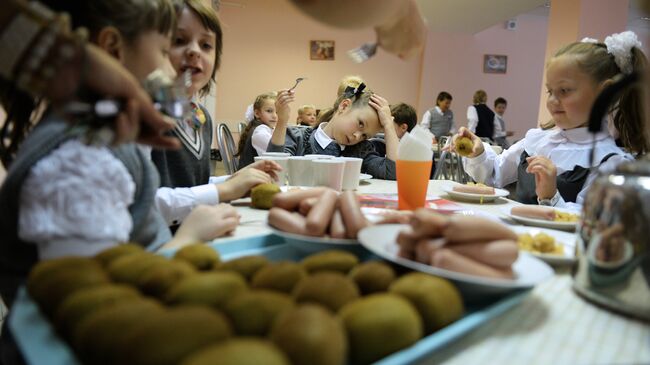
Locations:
{"points": [[344, 130], [552, 167], [185, 173], [94, 196], [257, 135]]}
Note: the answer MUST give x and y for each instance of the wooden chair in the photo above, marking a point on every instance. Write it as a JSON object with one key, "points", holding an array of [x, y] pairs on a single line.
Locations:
{"points": [[227, 148]]}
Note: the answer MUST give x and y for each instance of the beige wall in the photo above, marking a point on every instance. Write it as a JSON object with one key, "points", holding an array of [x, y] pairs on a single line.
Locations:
{"points": [[266, 46]]}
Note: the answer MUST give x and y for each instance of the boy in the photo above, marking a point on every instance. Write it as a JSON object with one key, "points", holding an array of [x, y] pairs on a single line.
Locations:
{"points": [[500, 134], [307, 116]]}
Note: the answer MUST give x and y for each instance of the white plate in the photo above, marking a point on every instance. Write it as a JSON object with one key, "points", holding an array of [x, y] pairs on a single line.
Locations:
{"points": [[529, 271], [313, 244], [565, 226], [566, 239], [485, 198], [364, 177]]}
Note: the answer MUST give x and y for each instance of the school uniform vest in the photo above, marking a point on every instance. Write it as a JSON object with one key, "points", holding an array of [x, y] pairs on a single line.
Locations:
{"points": [[190, 165], [485, 126], [440, 123], [569, 183], [17, 256]]}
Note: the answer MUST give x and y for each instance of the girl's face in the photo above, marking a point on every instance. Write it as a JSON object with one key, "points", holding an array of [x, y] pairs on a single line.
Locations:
{"points": [[350, 126], [266, 114], [571, 92], [148, 52], [193, 49]]}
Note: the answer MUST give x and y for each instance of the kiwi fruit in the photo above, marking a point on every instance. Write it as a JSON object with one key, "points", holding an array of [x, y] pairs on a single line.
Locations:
{"points": [[157, 281], [330, 260], [107, 256], [372, 276], [280, 276], [253, 312], [330, 289], [48, 268], [52, 284], [464, 146], [310, 335], [378, 325], [170, 337], [209, 288], [129, 269], [81, 303], [436, 299], [202, 256], [247, 266], [97, 337], [239, 351], [262, 195]]}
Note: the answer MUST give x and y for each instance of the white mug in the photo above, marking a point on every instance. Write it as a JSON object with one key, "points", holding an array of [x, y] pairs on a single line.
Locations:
{"points": [[351, 173], [301, 172], [329, 172], [283, 161]]}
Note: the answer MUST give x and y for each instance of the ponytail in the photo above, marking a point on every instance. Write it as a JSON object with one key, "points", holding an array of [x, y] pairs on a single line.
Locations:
{"points": [[629, 117], [246, 134]]}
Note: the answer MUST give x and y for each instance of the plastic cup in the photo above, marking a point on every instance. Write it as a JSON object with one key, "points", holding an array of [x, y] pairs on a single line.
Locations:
{"points": [[412, 183], [351, 172], [301, 171], [329, 173], [280, 160]]}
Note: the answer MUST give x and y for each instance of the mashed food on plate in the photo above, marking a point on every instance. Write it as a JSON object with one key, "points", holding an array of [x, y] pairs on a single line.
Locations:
{"points": [[539, 243], [565, 217]]}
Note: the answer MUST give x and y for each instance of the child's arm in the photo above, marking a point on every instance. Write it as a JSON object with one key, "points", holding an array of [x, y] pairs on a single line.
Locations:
{"points": [[386, 120], [285, 97], [205, 223], [261, 138], [472, 118], [379, 167], [425, 119]]}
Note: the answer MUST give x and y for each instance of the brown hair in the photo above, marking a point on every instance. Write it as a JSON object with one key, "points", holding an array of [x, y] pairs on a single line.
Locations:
{"points": [[130, 17], [246, 133], [209, 20], [594, 60], [480, 97], [403, 113]]}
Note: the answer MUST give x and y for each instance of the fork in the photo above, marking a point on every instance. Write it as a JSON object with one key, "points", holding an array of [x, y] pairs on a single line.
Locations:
{"points": [[297, 82], [363, 53]]}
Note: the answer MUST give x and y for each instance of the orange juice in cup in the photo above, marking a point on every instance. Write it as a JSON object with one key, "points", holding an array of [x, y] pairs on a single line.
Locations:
{"points": [[412, 183]]}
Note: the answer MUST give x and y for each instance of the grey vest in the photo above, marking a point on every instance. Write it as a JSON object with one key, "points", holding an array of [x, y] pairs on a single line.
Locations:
{"points": [[440, 124], [17, 256]]}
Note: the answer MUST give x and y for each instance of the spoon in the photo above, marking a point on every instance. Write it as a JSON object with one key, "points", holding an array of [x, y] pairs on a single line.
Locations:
{"points": [[297, 82]]}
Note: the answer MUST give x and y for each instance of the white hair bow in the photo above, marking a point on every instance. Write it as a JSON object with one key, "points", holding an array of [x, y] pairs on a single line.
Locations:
{"points": [[620, 46], [249, 115]]}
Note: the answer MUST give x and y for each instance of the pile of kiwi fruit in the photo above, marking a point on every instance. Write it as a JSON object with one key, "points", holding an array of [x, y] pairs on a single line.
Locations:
{"points": [[128, 306]]}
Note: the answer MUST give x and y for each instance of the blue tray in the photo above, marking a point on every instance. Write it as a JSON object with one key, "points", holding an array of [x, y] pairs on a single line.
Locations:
{"points": [[40, 344]]}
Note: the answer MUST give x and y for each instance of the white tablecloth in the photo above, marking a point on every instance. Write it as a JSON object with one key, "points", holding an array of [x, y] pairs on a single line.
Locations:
{"points": [[551, 326]]}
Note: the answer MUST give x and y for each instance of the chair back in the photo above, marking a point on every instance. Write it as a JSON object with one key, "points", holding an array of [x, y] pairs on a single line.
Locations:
{"points": [[227, 148], [450, 164], [240, 128]]}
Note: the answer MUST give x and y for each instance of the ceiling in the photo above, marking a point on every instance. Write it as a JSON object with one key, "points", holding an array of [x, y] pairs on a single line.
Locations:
{"points": [[471, 16]]}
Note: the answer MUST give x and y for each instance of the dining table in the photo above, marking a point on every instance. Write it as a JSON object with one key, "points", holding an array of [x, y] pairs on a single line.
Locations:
{"points": [[551, 325]]}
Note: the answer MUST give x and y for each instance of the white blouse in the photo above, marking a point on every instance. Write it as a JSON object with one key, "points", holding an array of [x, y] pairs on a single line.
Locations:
{"points": [[566, 148], [75, 201], [261, 138]]}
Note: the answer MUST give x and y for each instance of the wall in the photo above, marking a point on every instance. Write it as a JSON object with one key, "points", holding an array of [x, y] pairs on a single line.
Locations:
{"points": [[266, 46], [454, 62]]}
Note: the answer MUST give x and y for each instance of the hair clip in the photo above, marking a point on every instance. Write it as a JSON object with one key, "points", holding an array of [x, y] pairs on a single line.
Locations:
{"points": [[356, 92]]}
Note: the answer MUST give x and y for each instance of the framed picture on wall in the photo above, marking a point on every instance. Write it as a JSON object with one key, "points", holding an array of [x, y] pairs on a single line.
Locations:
{"points": [[321, 50], [495, 64]]}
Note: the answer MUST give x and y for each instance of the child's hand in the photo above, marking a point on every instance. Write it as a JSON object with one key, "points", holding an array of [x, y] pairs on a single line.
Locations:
{"points": [[545, 176], [477, 144], [383, 110], [270, 167], [285, 97], [241, 183], [205, 223]]}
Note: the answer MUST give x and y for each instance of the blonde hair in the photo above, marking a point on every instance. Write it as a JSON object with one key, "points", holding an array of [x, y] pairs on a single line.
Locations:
{"points": [[594, 60], [301, 110], [480, 97], [349, 80]]}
